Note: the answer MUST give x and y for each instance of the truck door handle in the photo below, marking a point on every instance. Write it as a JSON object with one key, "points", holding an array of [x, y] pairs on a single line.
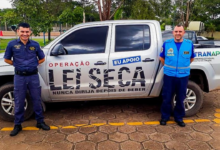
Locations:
{"points": [[147, 60], [100, 63]]}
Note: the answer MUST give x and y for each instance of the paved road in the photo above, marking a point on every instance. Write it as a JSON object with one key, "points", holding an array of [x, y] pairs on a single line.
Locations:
{"points": [[117, 125]]}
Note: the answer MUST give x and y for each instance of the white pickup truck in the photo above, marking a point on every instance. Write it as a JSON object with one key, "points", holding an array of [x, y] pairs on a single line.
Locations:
{"points": [[110, 60]]}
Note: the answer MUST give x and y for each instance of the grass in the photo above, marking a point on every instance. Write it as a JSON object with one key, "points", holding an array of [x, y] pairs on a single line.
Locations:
{"points": [[4, 43]]}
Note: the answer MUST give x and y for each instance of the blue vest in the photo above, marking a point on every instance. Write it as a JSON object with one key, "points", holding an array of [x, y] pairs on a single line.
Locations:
{"points": [[177, 63]]}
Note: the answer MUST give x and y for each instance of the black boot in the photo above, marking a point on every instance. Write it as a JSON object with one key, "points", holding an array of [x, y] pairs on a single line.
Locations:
{"points": [[16, 130], [43, 126], [181, 123], [163, 122]]}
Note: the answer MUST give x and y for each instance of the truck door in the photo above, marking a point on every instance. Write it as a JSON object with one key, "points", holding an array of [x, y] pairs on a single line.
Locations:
{"points": [[133, 57], [79, 74]]}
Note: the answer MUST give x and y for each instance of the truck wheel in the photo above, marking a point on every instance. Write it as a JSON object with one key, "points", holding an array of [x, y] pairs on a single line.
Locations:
{"points": [[194, 99], [7, 103]]}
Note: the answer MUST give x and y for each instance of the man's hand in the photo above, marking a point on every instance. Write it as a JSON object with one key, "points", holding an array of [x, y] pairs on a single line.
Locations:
{"points": [[191, 60], [41, 61], [162, 60], [8, 61]]}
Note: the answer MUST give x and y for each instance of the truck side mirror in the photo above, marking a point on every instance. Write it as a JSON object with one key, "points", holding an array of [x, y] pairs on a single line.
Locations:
{"points": [[58, 50]]}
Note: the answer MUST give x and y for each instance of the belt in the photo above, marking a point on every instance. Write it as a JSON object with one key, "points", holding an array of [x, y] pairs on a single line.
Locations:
{"points": [[25, 73]]}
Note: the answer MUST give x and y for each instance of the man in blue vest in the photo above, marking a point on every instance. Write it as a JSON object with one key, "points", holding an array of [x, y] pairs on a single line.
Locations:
{"points": [[176, 56], [27, 55]]}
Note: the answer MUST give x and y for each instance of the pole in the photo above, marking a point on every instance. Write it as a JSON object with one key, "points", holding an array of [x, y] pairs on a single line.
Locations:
{"points": [[84, 17], [44, 39], [174, 17], [60, 27]]}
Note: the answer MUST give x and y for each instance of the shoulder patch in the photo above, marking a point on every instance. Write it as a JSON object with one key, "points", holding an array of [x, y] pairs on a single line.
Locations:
{"points": [[161, 51]]}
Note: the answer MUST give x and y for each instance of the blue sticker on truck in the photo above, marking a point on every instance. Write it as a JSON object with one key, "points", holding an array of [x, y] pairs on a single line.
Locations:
{"points": [[127, 60]]}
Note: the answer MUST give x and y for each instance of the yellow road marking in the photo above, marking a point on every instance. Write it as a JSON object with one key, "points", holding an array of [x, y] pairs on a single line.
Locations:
{"points": [[202, 120], [69, 127], [217, 120], [217, 115], [80, 125], [217, 110], [152, 122], [88, 126], [135, 123], [30, 128], [98, 124], [188, 121], [117, 124], [7, 129], [53, 127]]}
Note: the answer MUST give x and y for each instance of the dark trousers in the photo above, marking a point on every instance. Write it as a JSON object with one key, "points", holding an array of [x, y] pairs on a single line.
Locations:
{"points": [[21, 85], [171, 86]]}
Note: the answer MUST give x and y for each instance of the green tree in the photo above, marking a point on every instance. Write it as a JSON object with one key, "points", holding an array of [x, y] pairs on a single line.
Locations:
{"points": [[107, 8], [40, 14], [67, 16], [183, 11], [118, 14], [127, 8], [91, 13], [162, 8], [162, 26], [142, 10], [211, 28], [8, 17], [33, 12], [78, 13], [199, 12]]}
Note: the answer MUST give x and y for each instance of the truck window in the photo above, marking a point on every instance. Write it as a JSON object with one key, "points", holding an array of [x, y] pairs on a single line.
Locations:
{"points": [[132, 38], [86, 41]]}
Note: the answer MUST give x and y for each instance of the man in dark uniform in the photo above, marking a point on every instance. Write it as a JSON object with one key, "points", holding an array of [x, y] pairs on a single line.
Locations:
{"points": [[27, 55], [176, 56]]}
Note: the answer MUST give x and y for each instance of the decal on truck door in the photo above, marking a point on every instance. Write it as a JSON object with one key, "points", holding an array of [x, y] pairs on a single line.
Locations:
{"points": [[127, 60], [137, 83], [206, 56]]}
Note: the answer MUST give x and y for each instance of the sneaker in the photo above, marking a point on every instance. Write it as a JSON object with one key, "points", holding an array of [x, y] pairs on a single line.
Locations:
{"points": [[43, 126], [16, 130]]}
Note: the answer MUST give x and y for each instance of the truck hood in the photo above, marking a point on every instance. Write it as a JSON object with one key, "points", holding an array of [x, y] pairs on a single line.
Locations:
{"points": [[2, 62]]}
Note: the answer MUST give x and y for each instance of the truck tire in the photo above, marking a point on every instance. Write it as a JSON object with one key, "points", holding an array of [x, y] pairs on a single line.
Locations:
{"points": [[7, 103], [194, 99]]}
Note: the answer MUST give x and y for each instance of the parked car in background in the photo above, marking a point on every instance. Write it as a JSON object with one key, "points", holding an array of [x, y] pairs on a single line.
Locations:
{"points": [[199, 38]]}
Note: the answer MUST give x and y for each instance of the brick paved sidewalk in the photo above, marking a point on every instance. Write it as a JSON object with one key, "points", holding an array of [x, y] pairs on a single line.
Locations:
{"points": [[117, 125]]}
